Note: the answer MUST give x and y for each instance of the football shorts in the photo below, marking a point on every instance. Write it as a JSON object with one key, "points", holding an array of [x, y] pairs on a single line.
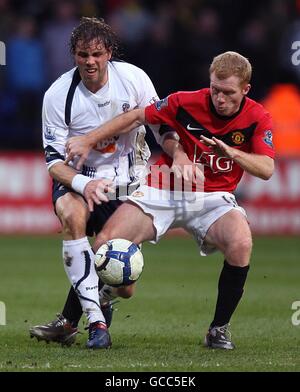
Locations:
{"points": [[193, 211]]}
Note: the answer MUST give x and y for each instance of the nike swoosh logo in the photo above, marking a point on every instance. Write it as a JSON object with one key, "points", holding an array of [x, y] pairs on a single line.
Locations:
{"points": [[189, 128]]}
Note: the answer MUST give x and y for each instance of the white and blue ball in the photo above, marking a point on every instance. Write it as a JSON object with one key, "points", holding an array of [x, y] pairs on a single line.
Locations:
{"points": [[119, 262]]}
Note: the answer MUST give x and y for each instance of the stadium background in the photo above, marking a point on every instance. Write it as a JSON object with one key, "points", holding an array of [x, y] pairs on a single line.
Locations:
{"points": [[174, 42]]}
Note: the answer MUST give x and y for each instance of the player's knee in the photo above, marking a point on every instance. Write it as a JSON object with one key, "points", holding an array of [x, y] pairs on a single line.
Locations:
{"points": [[100, 240], [239, 252], [105, 235], [73, 220], [246, 246]]}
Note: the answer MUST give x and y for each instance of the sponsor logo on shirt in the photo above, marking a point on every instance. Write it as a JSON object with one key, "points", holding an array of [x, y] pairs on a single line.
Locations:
{"points": [[108, 145], [101, 105], [268, 138], [215, 163], [191, 128], [50, 133]]}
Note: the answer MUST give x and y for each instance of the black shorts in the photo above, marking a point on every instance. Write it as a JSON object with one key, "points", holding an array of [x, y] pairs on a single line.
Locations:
{"points": [[97, 218]]}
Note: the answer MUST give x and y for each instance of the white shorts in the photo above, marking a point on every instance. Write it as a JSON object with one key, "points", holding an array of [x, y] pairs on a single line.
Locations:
{"points": [[193, 211]]}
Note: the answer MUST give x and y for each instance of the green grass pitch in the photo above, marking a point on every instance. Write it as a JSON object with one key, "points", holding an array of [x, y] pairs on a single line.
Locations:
{"points": [[162, 327]]}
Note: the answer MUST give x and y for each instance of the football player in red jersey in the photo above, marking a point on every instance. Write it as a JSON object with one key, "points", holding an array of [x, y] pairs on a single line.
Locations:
{"points": [[227, 133]]}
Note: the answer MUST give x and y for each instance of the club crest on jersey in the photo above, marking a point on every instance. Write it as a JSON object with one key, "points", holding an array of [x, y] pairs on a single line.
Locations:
{"points": [[138, 194], [268, 138], [160, 104], [238, 137], [50, 133], [125, 107]]}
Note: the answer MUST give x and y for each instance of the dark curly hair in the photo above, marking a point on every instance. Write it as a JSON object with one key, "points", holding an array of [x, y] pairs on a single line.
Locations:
{"points": [[94, 28]]}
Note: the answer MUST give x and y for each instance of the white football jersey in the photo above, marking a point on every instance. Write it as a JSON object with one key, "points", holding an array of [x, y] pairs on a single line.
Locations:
{"points": [[70, 109]]}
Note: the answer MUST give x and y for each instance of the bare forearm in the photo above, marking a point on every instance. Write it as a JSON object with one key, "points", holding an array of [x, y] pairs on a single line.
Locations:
{"points": [[62, 173], [123, 123], [171, 146], [260, 166]]}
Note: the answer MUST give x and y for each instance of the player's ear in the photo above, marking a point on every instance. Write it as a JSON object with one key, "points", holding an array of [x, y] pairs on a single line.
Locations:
{"points": [[109, 54], [246, 89]]}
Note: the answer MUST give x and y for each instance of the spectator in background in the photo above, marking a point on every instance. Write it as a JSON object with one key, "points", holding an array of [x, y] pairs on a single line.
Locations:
{"points": [[254, 39], [6, 19], [264, 32], [132, 23], [205, 42], [161, 47], [26, 78], [283, 101], [56, 34], [25, 50]]}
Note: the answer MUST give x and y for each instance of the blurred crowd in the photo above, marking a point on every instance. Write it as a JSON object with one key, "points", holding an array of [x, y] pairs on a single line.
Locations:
{"points": [[173, 41]]}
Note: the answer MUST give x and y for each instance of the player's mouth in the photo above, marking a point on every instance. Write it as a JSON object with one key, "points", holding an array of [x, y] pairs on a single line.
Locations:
{"points": [[221, 108], [91, 71]]}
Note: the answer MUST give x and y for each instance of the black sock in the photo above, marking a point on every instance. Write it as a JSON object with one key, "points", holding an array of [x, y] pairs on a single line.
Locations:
{"points": [[230, 291], [72, 309]]}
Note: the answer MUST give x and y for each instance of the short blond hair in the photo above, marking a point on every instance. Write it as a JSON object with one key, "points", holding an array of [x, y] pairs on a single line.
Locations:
{"points": [[231, 63]]}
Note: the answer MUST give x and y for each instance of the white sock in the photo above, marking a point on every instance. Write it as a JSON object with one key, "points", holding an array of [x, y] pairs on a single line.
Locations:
{"points": [[79, 265]]}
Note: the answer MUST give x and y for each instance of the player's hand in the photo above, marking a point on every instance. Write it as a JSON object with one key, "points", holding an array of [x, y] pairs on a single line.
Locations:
{"points": [[219, 147], [78, 146], [184, 168], [96, 192]]}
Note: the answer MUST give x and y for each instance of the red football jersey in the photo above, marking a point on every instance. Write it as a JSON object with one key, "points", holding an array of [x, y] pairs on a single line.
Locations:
{"points": [[192, 114]]}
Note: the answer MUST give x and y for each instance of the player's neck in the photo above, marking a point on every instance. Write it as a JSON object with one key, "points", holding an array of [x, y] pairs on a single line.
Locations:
{"points": [[95, 86], [230, 117]]}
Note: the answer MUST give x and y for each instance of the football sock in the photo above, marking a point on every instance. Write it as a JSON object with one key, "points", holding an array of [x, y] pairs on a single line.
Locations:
{"points": [[79, 266], [72, 309], [230, 291], [107, 293]]}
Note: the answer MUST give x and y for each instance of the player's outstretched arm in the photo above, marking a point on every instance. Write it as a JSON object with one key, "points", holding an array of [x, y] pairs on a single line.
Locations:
{"points": [[182, 166], [82, 145], [261, 166]]}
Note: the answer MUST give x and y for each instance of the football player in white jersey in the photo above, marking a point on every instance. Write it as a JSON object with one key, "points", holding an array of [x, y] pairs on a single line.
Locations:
{"points": [[95, 91]]}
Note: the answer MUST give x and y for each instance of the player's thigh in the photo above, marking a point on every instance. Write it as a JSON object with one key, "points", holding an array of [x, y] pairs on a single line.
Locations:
{"points": [[230, 231], [129, 222], [72, 210]]}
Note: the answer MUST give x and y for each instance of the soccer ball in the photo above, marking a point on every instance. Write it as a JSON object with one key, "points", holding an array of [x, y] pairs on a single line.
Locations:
{"points": [[119, 262]]}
